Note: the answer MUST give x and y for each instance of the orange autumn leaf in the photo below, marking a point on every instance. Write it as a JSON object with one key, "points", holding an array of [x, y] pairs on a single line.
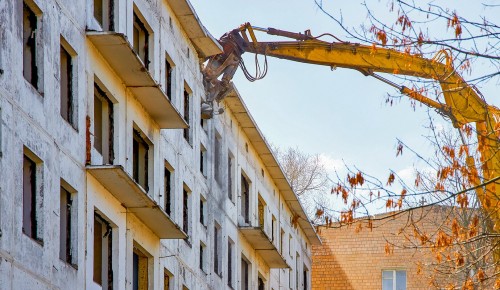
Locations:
{"points": [[391, 179]]}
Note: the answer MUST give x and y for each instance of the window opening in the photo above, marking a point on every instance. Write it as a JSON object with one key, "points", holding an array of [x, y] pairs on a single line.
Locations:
{"points": [[202, 211], [203, 160], [169, 69], [305, 277], [217, 159], [273, 228], [393, 280], [245, 199], [66, 84], [30, 35], [103, 252], [166, 280], [244, 274], [140, 159], [261, 284], [140, 271], [30, 199], [297, 280], [261, 212], [141, 40], [202, 257], [103, 125], [104, 14], [185, 212], [230, 246], [168, 191], [65, 231], [282, 241], [217, 250], [230, 176], [187, 105]]}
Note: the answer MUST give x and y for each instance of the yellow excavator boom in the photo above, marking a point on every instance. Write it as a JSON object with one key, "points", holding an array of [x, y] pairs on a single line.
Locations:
{"points": [[462, 103]]}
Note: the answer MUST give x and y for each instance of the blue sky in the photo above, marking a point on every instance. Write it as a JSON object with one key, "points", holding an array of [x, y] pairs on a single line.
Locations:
{"points": [[340, 114]]}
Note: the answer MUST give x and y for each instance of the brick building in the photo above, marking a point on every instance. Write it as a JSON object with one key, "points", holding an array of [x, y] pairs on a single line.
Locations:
{"points": [[350, 258]]}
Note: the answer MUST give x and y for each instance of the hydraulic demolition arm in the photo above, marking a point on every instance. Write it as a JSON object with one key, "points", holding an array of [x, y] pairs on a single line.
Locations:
{"points": [[462, 103]]}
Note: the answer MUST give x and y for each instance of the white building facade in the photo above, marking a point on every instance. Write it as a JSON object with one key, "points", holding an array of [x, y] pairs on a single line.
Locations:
{"points": [[109, 177]]}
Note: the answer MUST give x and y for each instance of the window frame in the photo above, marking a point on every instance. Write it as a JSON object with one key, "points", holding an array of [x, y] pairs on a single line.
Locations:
{"points": [[217, 250], [70, 254], [107, 125], [230, 176], [33, 44], [141, 38], [32, 215], [168, 188], [394, 278], [106, 240], [107, 9], [187, 114], [230, 263], [68, 84], [245, 199], [186, 196], [146, 162], [169, 76]]}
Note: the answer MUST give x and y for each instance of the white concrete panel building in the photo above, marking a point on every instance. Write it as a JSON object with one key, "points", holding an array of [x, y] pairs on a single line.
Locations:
{"points": [[110, 178]]}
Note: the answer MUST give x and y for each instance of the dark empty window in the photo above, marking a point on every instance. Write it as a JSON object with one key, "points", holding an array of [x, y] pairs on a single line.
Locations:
{"points": [[217, 160], [103, 252], [203, 160], [168, 191], [104, 14], [140, 152], [230, 176], [166, 280], [185, 210], [141, 40], [261, 212], [139, 271], [66, 84], [202, 211], [217, 250], [202, 256], [261, 284], [297, 280], [230, 263], [187, 104], [244, 274], [103, 125], [169, 69], [30, 214], [30, 35], [282, 241], [66, 217], [304, 278], [245, 199], [273, 228]]}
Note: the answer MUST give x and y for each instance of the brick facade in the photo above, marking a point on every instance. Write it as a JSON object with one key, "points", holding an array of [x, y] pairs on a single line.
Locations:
{"points": [[350, 258]]}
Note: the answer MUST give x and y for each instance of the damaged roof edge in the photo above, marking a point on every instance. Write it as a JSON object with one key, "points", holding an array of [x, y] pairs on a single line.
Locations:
{"points": [[206, 45], [240, 111]]}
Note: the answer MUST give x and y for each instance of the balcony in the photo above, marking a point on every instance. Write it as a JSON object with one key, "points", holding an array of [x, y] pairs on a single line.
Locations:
{"points": [[263, 246], [116, 50], [131, 195]]}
